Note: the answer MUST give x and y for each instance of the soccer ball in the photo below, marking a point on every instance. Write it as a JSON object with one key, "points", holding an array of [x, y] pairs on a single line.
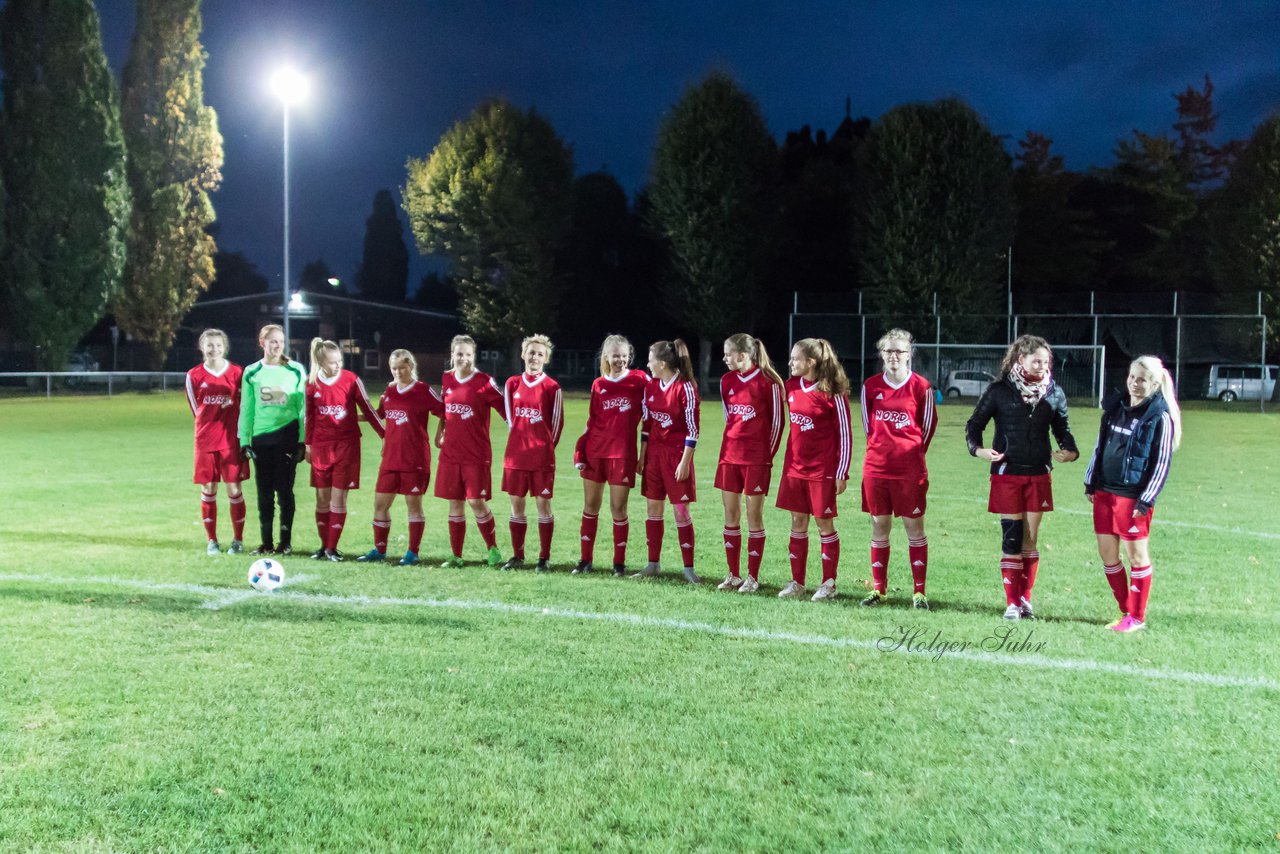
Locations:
{"points": [[266, 574]]}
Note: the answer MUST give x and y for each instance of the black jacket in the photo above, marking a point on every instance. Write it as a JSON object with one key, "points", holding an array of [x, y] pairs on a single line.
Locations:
{"points": [[1022, 432], [1133, 451]]}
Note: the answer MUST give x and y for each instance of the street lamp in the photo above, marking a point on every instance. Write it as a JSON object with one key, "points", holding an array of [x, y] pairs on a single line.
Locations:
{"points": [[290, 87]]}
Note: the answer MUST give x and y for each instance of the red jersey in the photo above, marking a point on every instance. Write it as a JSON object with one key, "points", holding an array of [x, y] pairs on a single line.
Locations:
{"points": [[899, 422], [535, 416], [331, 409], [406, 445], [466, 417], [671, 417], [753, 416], [616, 407], [819, 444], [215, 402]]}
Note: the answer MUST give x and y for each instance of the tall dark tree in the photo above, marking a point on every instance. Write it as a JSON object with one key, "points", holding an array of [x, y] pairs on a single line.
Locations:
{"points": [[315, 277], [384, 266], [936, 215], [1205, 162], [495, 197], [714, 196], [62, 156], [235, 276], [175, 162]]}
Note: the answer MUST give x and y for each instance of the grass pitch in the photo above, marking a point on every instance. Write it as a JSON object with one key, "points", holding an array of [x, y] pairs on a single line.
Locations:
{"points": [[150, 701]]}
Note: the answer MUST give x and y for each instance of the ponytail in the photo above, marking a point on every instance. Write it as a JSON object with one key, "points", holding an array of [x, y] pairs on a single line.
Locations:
{"points": [[1164, 384], [675, 355], [828, 371], [753, 348], [319, 347]]}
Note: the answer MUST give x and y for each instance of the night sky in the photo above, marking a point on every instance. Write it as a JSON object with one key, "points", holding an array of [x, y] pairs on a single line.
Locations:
{"points": [[390, 76]]}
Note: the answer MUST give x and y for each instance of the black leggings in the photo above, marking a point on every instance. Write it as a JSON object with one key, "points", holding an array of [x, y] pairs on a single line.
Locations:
{"points": [[275, 458]]}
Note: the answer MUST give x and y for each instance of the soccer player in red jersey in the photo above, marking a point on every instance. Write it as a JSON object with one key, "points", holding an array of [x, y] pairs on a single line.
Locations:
{"points": [[1026, 405], [669, 435], [466, 457], [334, 396], [606, 451], [535, 416], [1137, 437], [213, 392], [816, 467], [898, 420], [751, 396], [406, 408]]}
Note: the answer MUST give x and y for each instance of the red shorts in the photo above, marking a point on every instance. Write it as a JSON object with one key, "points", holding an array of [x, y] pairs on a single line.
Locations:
{"points": [[539, 484], [402, 482], [226, 465], [1012, 494], [660, 478], [1113, 514], [743, 480], [815, 497], [336, 464], [458, 482], [882, 496], [618, 472]]}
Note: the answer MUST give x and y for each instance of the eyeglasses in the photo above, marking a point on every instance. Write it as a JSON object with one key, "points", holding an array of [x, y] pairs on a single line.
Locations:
{"points": [[896, 352]]}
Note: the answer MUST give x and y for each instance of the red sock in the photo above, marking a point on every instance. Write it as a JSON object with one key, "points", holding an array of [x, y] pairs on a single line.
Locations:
{"points": [[621, 530], [237, 518], [588, 536], [755, 553], [830, 549], [684, 535], [1139, 590], [1011, 573], [1119, 585], [799, 555], [381, 533], [519, 527], [546, 527], [488, 530], [417, 525], [918, 551], [880, 565], [653, 526], [1030, 565], [337, 521], [457, 534], [322, 526], [209, 514], [733, 549]]}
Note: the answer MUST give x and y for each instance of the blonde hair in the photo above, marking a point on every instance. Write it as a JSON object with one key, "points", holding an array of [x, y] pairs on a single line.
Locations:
{"points": [[319, 347], [611, 341], [829, 372], [1164, 384], [1025, 345], [458, 341], [398, 356], [753, 349], [895, 334], [214, 333], [536, 339], [267, 330], [675, 355]]}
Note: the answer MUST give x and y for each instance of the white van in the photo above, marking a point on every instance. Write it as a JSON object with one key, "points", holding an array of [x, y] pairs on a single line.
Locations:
{"points": [[1243, 382]]}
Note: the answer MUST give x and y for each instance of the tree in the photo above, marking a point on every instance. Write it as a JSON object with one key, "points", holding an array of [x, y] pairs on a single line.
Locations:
{"points": [[936, 215], [495, 198], [315, 277], [235, 276], [175, 158], [384, 266], [714, 197], [62, 156]]}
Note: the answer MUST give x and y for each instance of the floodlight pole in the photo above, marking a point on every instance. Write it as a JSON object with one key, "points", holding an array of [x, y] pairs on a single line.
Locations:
{"points": [[285, 285]]}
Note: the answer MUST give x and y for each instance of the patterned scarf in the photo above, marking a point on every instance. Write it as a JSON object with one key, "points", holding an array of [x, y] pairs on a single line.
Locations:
{"points": [[1032, 388]]}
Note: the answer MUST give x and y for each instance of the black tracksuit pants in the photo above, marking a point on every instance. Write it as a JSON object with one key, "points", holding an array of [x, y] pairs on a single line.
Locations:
{"points": [[275, 463]]}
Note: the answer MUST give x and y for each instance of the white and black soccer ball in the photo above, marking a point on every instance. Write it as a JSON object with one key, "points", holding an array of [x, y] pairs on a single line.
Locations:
{"points": [[266, 574]]}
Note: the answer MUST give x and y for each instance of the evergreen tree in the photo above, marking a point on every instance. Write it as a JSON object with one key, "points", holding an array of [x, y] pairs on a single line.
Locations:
{"points": [[384, 266], [315, 277], [175, 158], [495, 197], [62, 156], [714, 197]]}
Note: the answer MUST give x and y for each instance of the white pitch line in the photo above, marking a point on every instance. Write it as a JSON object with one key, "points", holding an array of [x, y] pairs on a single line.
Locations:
{"points": [[1031, 660], [235, 597]]}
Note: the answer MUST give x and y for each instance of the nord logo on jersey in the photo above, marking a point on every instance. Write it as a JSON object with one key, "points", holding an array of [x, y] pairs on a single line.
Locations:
{"points": [[621, 404], [746, 410], [663, 419], [335, 411], [898, 419], [461, 409], [399, 416], [215, 400], [804, 422], [533, 414]]}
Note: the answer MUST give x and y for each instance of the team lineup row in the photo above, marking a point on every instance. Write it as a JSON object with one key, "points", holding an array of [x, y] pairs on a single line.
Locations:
{"points": [[647, 425]]}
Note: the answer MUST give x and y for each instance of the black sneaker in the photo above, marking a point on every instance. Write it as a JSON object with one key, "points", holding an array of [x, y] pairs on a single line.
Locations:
{"points": [[334, 556], [285, 549], [544, 565], [583, 567], [619, 570], [319, 554], [264, 549], [513, 563]]}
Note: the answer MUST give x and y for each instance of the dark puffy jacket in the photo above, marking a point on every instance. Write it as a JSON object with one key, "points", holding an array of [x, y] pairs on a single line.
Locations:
{"points": [[1133, 451], [1022, 432]]}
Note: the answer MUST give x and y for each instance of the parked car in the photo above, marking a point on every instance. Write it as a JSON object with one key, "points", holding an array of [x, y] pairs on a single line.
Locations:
{"points": [[1244, 382], [82, 362], [967, 383]]}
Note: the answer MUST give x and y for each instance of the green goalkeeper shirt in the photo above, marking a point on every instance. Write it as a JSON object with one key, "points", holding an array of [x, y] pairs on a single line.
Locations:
{"points": [[271, 396]]}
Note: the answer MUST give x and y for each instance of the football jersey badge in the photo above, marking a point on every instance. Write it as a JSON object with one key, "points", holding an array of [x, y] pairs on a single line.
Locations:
{"points": [[880, 396]]}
